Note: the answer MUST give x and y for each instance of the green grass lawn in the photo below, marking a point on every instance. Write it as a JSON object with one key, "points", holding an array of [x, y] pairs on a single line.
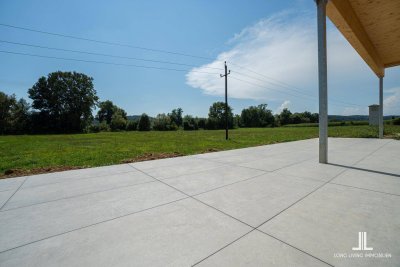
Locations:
{"points": [[84, 150]]}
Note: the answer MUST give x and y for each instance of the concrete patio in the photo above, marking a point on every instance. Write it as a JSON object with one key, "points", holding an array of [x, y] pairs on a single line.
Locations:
{"points": [[260, 206]]}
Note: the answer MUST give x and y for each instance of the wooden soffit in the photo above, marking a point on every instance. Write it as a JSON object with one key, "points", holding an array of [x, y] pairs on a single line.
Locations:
{"points": [[372, 27]]}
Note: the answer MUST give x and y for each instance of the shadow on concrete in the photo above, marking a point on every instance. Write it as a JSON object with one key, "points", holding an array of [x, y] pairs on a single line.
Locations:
{"points": [[365, 170]]}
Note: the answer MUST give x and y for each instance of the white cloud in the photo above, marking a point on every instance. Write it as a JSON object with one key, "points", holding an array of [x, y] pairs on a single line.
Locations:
{"points": [[284, 105], [391, 103], [283, 47]]}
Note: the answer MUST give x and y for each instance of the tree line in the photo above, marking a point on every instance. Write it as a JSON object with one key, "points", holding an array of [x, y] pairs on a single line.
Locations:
{"points": [[63, 102]]}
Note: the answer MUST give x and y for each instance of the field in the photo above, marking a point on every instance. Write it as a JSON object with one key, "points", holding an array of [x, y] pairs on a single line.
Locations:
{"points": [[26, 154]]}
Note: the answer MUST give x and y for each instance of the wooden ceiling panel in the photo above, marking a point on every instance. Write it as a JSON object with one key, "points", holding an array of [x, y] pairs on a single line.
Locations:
{"points": [[372, 27]]}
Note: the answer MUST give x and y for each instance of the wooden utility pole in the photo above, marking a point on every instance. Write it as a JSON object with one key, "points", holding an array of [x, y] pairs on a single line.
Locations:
{"points": [[226, 99]]}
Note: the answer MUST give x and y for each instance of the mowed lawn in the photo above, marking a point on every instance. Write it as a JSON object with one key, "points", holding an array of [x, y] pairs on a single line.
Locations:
{"points": [[29, 152]]}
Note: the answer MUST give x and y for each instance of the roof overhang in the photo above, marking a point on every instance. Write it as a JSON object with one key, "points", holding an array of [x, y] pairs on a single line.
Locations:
{"points": [[372, 27]]}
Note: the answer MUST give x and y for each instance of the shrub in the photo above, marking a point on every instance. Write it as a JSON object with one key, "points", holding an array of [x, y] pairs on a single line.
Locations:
{"points": [[164, 123], [144, 123], [117, 122], [396, 121], [93, 128], [131, 125], [189, 123], [201, 123], [104, 127], [211, 124]]}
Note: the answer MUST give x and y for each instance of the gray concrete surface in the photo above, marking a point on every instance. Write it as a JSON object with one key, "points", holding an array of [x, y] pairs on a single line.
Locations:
{"points": [[263, 206]]}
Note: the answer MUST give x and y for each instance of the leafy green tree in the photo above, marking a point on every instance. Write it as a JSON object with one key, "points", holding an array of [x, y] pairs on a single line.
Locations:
{"points": [[201, 123], [163, 122], [216, 116], [6, 104], [144, 123], [190, 123], [284, 117], [14, 115], [65, 101], [20, 117], [258, 116], [131, 125], [118, 122], [106, 111], [176, 116]]}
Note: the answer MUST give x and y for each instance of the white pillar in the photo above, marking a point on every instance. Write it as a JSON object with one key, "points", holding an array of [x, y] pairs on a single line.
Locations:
{"points": [[380, 107], [323, 82]]}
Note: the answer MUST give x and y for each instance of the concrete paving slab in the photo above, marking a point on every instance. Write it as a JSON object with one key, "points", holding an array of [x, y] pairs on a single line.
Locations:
{"points": [[258, 249], [11, 183], [29, 224], [255, 201], [104, 218], [370, 180], [312, 169], [50, 192], [151, 164], [4, 196], [383, 164], [182, 168], [347, 158], [68, 176], [276, 162], [178, 234], [327, 224], [197, 183]]}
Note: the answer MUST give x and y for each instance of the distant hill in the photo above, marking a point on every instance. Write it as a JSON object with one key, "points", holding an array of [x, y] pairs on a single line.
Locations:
{"points": [[356, 117], [133, 117]]}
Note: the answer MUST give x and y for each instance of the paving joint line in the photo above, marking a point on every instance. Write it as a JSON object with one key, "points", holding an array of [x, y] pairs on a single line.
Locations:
{"points": [[292, 246], [222, 186], [366, 189], [77, 196], [94, 224], [319, 187], [226, 214], [192, 197], [79, 179], [5, 203], [227, 245]]}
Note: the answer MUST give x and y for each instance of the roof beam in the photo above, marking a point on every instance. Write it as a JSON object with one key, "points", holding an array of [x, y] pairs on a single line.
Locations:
{"points": [[341, 13]]}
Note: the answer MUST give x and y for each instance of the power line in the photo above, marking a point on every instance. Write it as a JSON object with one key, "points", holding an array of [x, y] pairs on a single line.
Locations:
{"points": [[293, 88], [102, 62], [101, 54], [263, 87], [104, 42]]}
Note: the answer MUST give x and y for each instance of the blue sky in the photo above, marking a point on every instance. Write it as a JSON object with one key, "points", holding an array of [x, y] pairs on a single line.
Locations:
{"points": [[270, 47]]}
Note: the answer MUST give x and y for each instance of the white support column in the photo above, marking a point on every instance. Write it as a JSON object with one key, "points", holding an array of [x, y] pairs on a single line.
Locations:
{"points": [[323, 82], [380, 107]]}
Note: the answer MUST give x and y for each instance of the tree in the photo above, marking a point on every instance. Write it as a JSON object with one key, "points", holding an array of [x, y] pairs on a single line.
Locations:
{"points": [[65, 100], [216, 116], [20, 117], [131, 125], [258, 116], [14, 115], [118, 122], [176, 116], [284, 117], [164, 123], [144, 123], [190, 123], [6, 104], [106, 111], [201, 123]]}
